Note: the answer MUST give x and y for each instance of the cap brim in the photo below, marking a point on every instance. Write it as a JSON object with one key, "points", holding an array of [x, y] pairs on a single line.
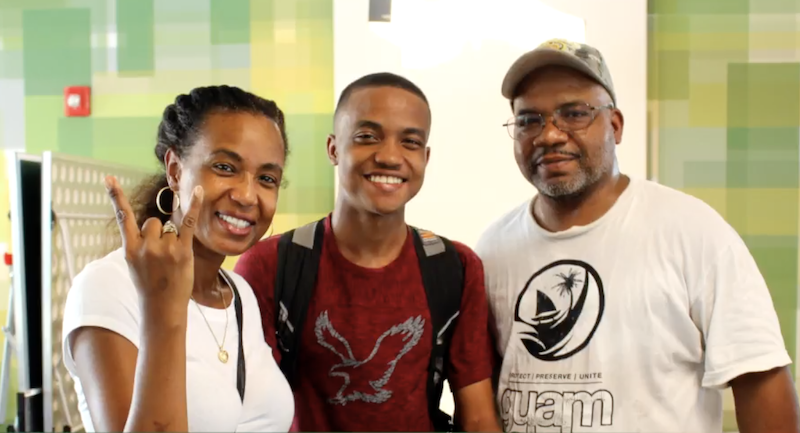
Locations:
{"points": [[533, 60]]}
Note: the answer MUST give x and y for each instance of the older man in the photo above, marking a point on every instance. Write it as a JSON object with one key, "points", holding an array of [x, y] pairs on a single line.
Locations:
{"points": [[621, 305]]}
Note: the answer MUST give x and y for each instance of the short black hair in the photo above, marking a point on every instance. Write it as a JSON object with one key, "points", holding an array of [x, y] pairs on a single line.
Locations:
{"points": [[379, 79]]}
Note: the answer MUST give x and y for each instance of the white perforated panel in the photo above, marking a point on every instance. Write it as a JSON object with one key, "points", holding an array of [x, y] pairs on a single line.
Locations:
{"points": [[84, 230]]}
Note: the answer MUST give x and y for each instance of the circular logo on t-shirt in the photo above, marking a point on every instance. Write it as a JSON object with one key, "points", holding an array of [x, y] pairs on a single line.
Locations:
{"points": [[559, 309]]}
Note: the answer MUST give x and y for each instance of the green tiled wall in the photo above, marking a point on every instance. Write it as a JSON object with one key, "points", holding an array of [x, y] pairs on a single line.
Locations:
{"points": [[137, 55], [724, 116], [135, 34], [53, 59]]}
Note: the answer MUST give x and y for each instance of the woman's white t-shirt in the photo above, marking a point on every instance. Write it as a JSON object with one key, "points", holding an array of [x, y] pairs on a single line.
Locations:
{"points": [[103, 295]]}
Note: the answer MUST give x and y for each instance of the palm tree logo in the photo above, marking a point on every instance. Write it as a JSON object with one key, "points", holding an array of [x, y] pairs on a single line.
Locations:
{"points": [[552, 304], [568, 283]]}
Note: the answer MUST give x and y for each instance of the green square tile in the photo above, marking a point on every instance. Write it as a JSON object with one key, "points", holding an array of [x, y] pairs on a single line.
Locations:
{"points": [[762, 213], [682, 146], [652, 64], [99, 13], [773, 23], [180, 12], [662, 7], [230, 57], [100, 25], [726, 55], [670, 167], [704, 174], [739, 41], [763, 158], [263, 10], [698, 144], [763, 95], [11, 65], [231, 77], [10, 24], [315, 10], [673, 75], [41, 122], [756, 154], [126, 140], [714, 7], [708, 104], [776, 257], [230, 21], [671, 23], [75, 136], [285, 10], [774, 7], [702, 70], [666, 41], [743, 173], [755, 140], [180, 37], [738, 139], [37, 4], [308, 170], [13, 42], [738, 94], [135, 36], [320, 35], [773, 46], [673, 114], [728, 24], [55, 59]]}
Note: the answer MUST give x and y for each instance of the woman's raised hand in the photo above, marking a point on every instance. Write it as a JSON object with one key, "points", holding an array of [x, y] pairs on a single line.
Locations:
{"points": [[160, 260]]}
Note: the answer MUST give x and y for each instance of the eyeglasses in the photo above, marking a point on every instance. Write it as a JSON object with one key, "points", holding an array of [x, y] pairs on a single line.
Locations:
{"points": [[567, 118]]}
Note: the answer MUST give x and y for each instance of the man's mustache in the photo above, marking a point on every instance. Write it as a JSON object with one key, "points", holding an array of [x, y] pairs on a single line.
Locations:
{"points": [[536, 158]]}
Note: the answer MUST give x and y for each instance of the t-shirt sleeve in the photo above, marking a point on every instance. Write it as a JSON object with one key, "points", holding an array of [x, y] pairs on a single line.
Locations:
{"points": [[470, 357], [258, 267], [735, 311], [102, 295]]}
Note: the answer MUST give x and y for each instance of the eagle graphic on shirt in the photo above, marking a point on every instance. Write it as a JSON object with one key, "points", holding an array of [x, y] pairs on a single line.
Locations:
{"points": [[409, 332]]}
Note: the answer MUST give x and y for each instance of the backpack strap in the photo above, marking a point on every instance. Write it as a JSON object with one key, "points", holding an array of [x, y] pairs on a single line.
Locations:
{"points": [[443, 278], [299, 252]]}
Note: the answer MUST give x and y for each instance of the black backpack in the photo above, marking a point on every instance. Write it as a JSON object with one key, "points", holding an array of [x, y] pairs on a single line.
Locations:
{"points": [[299, 252]]}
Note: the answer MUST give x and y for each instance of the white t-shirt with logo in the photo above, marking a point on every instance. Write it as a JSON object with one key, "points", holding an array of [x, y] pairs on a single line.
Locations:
{"points": [[103, 295], [633, 323]]}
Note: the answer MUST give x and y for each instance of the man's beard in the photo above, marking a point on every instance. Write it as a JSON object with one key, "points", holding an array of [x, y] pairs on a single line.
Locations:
{"points": [[569, 187]]}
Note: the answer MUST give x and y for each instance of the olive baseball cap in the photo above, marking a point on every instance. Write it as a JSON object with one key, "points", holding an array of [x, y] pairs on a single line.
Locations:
{"points": [[559, 52]]}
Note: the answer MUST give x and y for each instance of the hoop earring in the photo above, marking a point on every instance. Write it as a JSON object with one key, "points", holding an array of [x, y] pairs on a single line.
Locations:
{"points": [[175, 200], [271, 229]]}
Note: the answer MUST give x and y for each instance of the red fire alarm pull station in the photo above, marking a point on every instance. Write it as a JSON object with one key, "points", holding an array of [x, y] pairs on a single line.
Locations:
{"points": [[77, 101]]}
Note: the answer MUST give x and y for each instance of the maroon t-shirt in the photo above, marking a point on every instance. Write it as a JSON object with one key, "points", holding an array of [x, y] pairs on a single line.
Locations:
{"points": [[366, 343]]}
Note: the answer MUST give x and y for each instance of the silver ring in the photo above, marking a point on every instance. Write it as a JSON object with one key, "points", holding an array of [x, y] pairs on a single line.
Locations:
{"points": [[169, 227]]}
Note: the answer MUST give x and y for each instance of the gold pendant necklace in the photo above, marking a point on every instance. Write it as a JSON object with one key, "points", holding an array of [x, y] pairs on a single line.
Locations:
{"points": [[222, 355]]}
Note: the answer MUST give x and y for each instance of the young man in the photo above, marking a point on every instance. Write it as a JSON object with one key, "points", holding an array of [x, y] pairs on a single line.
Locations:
{"points": [[621, 305], [366, 340]]}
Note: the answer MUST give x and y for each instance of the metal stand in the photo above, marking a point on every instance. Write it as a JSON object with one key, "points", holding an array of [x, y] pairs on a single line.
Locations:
{"points": [[9, 346]]}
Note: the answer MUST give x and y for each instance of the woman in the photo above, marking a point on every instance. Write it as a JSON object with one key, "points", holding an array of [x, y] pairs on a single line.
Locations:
{"points": [[152, 331]]}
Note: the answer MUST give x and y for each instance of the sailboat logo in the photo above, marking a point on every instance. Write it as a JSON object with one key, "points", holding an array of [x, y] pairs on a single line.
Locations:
{"points": [[559, 309]]}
